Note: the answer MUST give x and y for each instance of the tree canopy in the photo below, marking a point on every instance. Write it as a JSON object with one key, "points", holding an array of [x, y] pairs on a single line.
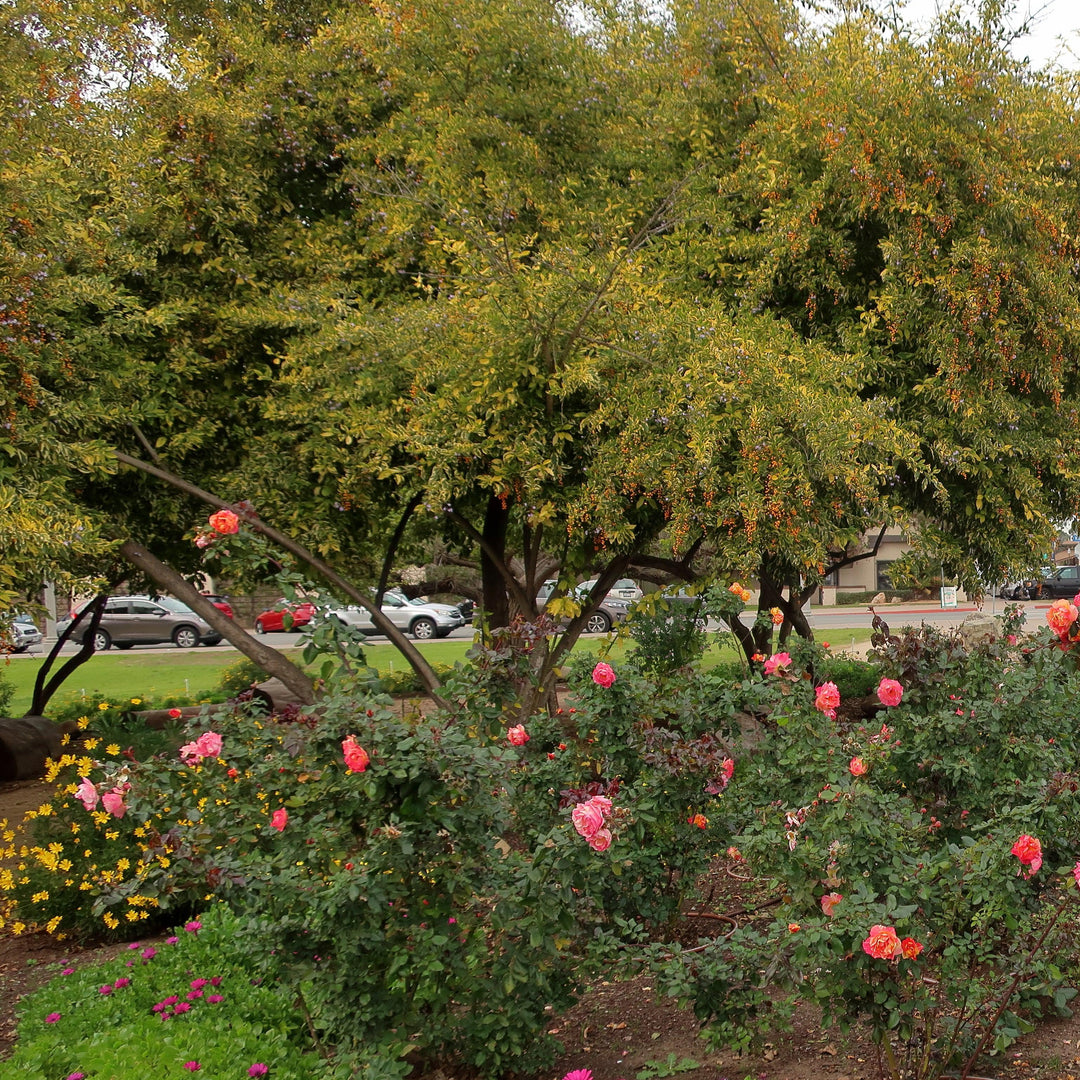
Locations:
{"points": [[583, 290]]}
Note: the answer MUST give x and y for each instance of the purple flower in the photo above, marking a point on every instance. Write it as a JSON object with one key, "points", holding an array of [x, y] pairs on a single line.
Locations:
{"points": [[174, 940], [106, 990], [192, 1066], [121, 983], [52, 1018], [148, 953], [181, 1007], [68, 971], [258, 1069], [75, 1076]]}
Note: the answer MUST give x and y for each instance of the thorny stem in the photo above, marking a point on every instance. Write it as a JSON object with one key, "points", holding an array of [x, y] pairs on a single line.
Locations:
{"points": [[1007, 996]]}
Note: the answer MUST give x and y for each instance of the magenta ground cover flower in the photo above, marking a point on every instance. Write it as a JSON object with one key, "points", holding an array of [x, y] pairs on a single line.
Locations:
{"points": [[258, 1069], [52, 1018]]}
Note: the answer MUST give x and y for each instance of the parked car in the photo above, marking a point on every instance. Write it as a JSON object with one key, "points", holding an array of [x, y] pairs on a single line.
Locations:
{"points": [[1053, 583], [140, 620], [623, 589], [221, 603], [272, 621], [24, 633], [420, 618], [612, 610]]}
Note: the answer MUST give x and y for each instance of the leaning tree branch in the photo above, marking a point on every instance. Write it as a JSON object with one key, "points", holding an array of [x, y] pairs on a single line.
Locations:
{"points": [[270, 660], [415, 658]]}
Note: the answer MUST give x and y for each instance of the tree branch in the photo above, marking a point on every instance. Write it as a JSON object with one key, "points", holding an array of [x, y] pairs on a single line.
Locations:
{"points": [[270, 660], [397, 638]]}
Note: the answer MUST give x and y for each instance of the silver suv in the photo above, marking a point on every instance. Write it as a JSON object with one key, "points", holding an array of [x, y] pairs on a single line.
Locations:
{"points": [[138, 620], [420, 618]]}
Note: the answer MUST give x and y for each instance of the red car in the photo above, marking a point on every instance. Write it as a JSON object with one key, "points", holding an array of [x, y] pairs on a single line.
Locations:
{"points": [[273, 619], [221, 603]]}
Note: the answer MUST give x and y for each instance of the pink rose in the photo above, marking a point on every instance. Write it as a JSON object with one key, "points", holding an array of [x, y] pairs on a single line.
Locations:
{"points": [[603, 802], [882, 944], [776, 662], [517, 735], [356, 757], [826, 699], [279, 819], [889, 692], [224, 521], [87, 794], [113, 801], [1029, 851], [857, 766], [603, 675], [600, 840], [588, 819], [208, 744], [829, 902], [204, 540]]}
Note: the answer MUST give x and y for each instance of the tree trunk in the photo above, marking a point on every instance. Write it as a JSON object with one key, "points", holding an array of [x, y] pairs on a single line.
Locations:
{"points": [[496, 605]]}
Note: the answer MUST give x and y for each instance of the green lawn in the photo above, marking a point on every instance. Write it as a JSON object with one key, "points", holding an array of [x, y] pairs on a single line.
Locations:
{"points": [[192, 672]]}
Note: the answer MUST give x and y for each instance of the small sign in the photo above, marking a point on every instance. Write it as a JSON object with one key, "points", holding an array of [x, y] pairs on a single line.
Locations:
{"points": [[948, 596]]}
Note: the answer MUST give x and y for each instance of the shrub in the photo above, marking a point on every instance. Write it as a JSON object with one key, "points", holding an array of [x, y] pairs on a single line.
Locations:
{"points": [[239, 677]]}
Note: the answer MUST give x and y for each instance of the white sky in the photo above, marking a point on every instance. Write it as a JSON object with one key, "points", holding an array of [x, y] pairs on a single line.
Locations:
{"points": [[1051, 20]]}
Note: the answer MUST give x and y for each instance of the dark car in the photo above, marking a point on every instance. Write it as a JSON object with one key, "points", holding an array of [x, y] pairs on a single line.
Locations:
{"points": [[1062, 583], [612, 609], [139, 620]]}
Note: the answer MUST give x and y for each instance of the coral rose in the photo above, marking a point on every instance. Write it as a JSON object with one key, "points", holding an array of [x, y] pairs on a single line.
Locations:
{"points": [[603, 675], [857, 766], [279, 819], [517, 735], [829, 902], [356, 757], [1061, 616], [225, 522], [776, 615], [1029, 851], [889, 692], [826, 699], [910, 948], [882, 944]]}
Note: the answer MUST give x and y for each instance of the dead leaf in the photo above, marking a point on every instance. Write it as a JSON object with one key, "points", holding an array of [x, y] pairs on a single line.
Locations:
{"points": [[829, 1049]]}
